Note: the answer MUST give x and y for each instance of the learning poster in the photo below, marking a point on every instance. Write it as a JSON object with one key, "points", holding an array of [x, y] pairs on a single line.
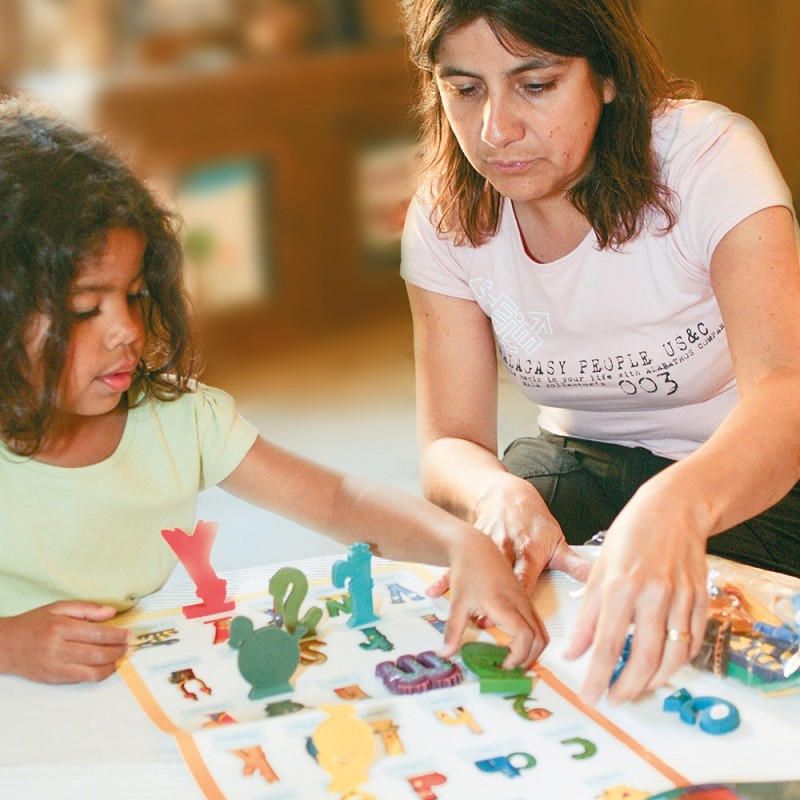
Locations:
{"points": [[334, 688]]}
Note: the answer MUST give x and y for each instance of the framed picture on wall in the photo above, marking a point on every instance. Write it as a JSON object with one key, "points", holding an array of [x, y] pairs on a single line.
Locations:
{"points": [[225, 210], [384, 188]]}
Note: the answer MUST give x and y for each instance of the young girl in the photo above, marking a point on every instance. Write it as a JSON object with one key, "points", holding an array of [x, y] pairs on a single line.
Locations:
{"points": [[106, 439]]}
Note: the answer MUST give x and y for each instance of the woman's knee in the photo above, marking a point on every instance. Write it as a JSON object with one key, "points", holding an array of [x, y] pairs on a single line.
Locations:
{"points": [[770, 541]]}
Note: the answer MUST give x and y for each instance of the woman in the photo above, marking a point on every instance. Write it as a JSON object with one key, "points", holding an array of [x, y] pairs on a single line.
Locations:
{"points": [[631, 253]]}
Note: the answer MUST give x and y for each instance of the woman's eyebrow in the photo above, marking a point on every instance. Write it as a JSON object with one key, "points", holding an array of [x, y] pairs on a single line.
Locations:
{"points": [[538, 62]]}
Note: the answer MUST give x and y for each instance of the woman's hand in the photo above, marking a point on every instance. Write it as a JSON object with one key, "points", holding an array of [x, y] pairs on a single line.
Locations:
{"points": [[651, 574], [63, 642], [483, 585], [514, 515], [516, 519]]}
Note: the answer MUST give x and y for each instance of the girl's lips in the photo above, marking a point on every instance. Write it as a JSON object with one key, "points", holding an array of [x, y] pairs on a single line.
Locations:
{"points": [[117, 381]]}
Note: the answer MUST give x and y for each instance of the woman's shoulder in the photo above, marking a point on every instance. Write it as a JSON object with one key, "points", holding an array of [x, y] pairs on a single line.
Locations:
{"points": [[423, 202], [421, 221], [696, 124]]}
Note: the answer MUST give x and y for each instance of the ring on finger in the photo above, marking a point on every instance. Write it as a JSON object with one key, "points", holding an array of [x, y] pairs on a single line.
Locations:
{"points": [[675, 635]]}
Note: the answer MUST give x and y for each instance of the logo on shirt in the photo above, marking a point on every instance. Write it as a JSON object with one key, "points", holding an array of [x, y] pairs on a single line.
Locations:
{"points": [[515, 331]]}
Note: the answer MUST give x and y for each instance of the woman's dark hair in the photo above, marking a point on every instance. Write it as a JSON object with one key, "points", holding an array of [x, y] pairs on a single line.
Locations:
{"points": [[61, 191], [623, 182]]}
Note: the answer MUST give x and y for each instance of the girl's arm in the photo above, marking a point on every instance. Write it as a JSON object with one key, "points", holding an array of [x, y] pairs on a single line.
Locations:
{"points": [[652, 569], [456, 387], [398, 526]]}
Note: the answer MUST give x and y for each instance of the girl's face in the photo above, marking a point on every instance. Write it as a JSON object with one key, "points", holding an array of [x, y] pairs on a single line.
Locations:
{"points": [[107, 336], [524, 122]]}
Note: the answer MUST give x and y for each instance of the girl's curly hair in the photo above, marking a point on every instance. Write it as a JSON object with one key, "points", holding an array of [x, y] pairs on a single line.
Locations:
{"points": [[61, 190]]}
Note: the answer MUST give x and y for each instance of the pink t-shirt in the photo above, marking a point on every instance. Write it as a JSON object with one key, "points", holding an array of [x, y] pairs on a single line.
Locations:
{"points": [[622, 346]]}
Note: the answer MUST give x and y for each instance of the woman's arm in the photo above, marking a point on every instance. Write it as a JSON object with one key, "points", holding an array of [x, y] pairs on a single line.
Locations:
{"points": [[756, 277], [456, 367], [456, 390], [652, 570], [398, 526]]}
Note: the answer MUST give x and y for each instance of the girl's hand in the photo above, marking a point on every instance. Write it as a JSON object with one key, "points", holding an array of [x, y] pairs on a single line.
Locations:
{"points": [[513, 514], [483, 585], [651, 573], [62, 643]]}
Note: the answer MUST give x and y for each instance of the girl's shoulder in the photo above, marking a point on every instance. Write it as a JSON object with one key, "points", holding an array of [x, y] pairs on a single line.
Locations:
{"points": [[199, 399]]}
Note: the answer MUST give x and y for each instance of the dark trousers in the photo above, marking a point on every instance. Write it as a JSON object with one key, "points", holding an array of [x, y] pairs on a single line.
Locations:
{"points": [[585, 485]]}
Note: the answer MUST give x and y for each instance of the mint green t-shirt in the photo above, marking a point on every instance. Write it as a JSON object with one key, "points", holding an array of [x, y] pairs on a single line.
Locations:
{"points": [[94, 533]]}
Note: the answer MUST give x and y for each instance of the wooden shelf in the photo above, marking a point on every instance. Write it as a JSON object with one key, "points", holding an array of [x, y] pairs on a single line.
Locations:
{"points": [[308, 120]]}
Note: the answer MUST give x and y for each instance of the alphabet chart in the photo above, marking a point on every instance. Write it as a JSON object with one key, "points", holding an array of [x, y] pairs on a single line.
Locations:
{"points": [[333, 688]]}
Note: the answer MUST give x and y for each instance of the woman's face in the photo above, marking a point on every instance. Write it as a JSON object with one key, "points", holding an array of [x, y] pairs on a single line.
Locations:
{"points": [[524, 122]]}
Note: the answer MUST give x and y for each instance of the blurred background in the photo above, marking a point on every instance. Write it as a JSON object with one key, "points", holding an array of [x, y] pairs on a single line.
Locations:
{"points": [[280, 130]]}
